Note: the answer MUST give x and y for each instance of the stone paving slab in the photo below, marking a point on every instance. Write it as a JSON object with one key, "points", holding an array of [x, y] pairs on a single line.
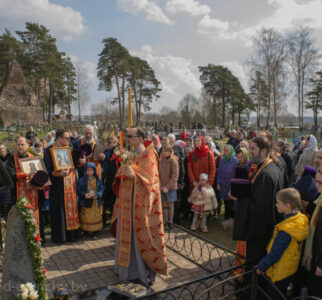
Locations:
{"points": [[89, 264]]}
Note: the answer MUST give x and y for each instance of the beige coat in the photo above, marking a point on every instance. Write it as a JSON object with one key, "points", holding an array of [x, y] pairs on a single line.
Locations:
{"points": [[169, 173], [307, 158], [204, 197]]}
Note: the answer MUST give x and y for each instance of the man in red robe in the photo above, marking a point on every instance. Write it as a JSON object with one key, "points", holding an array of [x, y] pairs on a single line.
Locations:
{"points": [[137, 215], [21, 187]]}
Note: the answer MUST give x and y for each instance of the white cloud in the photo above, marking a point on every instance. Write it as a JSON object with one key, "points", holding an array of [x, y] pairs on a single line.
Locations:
{"points": [[178, 77], [74, 58], [146, 49], [90, 68], [239, 70], [217, 29], [191, 7], [287, 15], [153, 12], [63, 22]]}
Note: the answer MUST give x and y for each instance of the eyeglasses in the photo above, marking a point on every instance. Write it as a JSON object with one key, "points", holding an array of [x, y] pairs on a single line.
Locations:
{"points": [[130, 136], [66, 138]]}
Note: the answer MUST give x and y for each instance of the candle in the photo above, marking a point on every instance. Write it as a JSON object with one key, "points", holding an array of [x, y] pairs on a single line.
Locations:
{"points": [[130, 109]]}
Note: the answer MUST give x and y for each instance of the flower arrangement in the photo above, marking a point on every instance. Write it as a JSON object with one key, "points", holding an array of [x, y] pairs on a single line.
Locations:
{"points": [[28, 292], [33, 242], [125, 156]]}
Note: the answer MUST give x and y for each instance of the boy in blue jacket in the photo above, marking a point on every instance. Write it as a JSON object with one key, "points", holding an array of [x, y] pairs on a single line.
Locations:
{"points": [[90, 191], [284, 249]]}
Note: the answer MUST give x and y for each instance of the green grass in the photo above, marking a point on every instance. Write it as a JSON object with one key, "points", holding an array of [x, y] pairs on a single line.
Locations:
{"points": [[215, 232]]}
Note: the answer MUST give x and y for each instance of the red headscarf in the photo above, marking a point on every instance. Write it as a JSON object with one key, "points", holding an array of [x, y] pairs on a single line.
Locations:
{"points": [[199, 152]]}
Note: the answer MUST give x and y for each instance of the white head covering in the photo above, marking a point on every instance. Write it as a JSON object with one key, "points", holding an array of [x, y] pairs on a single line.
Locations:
{"points": [[203, 176], [312, 143]]}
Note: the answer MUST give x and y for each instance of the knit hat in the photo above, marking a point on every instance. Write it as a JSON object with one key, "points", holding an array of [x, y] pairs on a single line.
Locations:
{"points": [[306, 186], [240, 187], [308, 170]]}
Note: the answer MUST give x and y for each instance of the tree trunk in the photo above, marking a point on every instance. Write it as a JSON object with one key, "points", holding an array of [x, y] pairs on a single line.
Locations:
{"points": [[233, 113], [119, 96], [274, 103], [44, 101], [51, 96], [140, 101], [215, 112], [223, 111], [136, 105], [302, 98], [123, 100], [299, 103], [269, 99], [79, 104]]}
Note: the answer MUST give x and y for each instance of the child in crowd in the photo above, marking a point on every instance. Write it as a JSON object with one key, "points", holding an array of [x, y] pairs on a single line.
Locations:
{"points": [[169, 173], [90, 191], [203, 201], [284, 249]]}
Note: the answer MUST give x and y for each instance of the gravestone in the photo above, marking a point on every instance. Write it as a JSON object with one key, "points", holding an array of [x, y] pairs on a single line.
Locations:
{"points": [[17, 264], [17, 100]]}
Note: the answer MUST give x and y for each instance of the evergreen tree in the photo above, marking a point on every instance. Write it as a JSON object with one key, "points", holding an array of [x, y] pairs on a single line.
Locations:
{"points": [[314, 101], [110, 65]]}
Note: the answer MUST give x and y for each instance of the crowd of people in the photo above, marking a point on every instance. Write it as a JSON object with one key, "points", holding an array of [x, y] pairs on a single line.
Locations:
{"points": [[267, 190]]}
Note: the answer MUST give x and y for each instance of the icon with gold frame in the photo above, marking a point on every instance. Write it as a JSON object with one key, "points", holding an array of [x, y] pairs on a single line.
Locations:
{"points": [[62, 158]]}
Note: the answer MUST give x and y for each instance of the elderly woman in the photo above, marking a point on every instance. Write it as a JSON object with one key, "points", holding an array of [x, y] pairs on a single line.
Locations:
{"points": [[224, 175], [307, 158], [201, 160]]}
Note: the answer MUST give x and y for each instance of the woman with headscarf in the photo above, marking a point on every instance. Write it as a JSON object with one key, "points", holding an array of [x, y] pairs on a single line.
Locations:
{"points": [[307, 158], [224, 175], [36, 149], [242, 155], [201, 160]]}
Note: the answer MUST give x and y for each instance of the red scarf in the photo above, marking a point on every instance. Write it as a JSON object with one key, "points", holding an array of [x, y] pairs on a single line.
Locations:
{"points": [[199, 152]]}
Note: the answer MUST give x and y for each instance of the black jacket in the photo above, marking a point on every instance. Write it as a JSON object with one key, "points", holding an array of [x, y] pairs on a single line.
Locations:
{"points": [[290, 165], [262, 211], [8, 171]]}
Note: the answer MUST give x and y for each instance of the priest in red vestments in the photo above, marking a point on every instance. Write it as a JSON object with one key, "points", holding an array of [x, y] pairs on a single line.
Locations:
{"points": [[21, 187], [137, 215]]}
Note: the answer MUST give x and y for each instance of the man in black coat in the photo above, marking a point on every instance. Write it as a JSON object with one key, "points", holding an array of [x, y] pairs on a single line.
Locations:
{"points": [[262, 214]]}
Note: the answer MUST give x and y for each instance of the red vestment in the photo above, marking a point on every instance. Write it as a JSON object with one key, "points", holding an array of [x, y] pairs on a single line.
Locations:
{"points": [[26, 191], [147, 212]]}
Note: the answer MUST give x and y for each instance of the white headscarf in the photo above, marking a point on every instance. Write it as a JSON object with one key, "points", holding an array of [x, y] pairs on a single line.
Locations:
{"points": [[312, 143]]}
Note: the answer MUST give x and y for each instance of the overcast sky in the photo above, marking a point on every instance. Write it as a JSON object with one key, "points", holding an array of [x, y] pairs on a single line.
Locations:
{"points": [[174, 36]]}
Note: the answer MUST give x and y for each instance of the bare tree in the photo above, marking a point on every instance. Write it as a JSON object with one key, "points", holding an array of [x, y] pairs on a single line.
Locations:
{"points": [[302, 56], [188, 107], [269, 57], [83, 83]]}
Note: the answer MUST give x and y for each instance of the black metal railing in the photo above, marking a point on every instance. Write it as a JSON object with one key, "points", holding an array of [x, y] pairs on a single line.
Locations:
{"points": [[225, 285], [207, 254]]}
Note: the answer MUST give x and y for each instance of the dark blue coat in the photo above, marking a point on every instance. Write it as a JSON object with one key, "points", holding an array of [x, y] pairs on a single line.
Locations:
{"points": [[82, 186]]}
